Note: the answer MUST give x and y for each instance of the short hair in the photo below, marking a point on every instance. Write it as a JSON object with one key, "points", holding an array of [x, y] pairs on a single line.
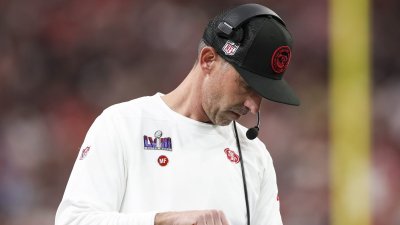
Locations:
{"points": [[202, 44]]}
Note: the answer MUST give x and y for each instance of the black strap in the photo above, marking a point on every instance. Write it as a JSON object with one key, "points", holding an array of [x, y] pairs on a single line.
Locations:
{"points": [[241, 14], [243, 174]]}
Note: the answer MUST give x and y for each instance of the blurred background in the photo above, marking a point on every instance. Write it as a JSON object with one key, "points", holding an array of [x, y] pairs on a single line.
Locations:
{"points": [[64, 61]]}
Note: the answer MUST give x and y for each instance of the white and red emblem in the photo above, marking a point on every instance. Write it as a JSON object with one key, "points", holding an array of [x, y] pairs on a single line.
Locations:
{"points": [[163, 160], [232, 156], [84, 152], [230, 48]]}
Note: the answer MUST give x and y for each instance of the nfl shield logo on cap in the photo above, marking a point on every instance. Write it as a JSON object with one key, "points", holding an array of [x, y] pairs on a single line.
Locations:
{"points": [[230, 48]]}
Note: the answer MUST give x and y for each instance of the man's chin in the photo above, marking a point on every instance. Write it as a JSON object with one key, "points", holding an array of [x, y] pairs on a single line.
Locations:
{"points": [[226, 119], [223, 122]]}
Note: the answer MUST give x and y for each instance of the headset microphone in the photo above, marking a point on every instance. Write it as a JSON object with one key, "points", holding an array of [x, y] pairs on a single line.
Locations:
{"points": [[253, 132]]}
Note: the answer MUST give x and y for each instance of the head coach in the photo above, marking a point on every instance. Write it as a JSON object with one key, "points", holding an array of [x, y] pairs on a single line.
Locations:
{"points": [[181, 158]]}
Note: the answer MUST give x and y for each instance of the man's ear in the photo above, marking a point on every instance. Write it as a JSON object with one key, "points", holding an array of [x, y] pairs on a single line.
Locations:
{"points": [[207, 58]]}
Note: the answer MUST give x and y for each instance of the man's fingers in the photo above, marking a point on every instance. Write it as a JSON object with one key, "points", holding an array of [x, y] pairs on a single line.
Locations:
{"points": [[197, 217], [201, 220], [216, 217], [223, 219], [209, 217]]}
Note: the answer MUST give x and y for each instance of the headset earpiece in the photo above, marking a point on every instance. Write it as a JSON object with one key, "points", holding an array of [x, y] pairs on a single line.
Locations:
{"points": [[224, 30]]}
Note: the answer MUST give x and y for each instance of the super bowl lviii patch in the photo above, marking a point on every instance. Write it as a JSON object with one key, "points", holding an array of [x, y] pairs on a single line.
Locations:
{"points": [[157, 142]]}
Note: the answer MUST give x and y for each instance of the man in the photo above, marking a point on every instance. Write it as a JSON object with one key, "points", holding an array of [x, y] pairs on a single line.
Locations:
{"points": [[175, 159]]}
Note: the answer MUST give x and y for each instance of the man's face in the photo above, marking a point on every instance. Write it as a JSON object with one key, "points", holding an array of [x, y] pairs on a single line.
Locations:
{"points": [[226, 96]]}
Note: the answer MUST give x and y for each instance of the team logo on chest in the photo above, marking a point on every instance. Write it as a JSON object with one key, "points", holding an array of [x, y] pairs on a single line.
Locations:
{"points": [[84, 153], [232, 156], [157, 142]]}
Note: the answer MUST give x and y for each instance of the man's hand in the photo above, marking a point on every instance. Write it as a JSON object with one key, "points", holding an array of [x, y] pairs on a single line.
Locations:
{"points": [[198, 217]]}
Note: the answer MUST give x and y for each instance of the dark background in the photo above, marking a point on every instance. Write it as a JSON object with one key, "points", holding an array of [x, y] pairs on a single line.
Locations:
{"points": [[63, 62]]}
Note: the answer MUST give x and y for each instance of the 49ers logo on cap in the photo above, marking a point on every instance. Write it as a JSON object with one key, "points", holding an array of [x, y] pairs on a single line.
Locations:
{"points": [[281, 59]]}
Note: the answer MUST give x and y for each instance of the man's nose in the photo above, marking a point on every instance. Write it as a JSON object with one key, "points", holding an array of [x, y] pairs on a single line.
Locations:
{"points": [[253, 102]]}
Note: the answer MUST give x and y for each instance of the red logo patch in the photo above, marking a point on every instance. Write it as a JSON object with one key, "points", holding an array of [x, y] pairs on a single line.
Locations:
{"points": [[232, 156], [163, 160], [281, 59], [84, 153]]}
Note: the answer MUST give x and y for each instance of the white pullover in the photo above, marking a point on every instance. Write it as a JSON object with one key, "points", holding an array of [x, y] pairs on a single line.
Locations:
{"points": [[140, 158]]}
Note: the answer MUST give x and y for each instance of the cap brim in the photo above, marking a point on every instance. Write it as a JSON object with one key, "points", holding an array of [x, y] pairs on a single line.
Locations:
{"points": [[271, 89]]}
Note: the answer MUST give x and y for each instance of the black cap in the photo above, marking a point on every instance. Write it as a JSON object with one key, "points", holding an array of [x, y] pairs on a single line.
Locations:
{"points": [[255, 41]]}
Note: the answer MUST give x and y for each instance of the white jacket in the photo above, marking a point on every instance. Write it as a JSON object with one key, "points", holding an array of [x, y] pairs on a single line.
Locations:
{"points": [[140, 157]]}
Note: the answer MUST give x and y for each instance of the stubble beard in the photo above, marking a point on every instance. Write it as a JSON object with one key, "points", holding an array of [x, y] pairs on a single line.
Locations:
{"points": [[215, 117]]}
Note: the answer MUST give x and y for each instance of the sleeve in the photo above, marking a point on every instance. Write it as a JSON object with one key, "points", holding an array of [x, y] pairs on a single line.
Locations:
{"points": [[97, 183], [268, 207]]}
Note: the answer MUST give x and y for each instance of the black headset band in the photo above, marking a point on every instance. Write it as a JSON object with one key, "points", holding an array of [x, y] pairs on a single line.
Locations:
{"points": [[241, 14]]}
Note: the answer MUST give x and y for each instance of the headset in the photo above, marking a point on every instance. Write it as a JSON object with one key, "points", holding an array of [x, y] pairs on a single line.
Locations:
{"points": [[230, 28], [233, 20]]}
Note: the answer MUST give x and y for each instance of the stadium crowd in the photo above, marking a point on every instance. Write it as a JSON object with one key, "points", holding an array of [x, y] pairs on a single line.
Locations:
{"points": [[63, 62]]}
